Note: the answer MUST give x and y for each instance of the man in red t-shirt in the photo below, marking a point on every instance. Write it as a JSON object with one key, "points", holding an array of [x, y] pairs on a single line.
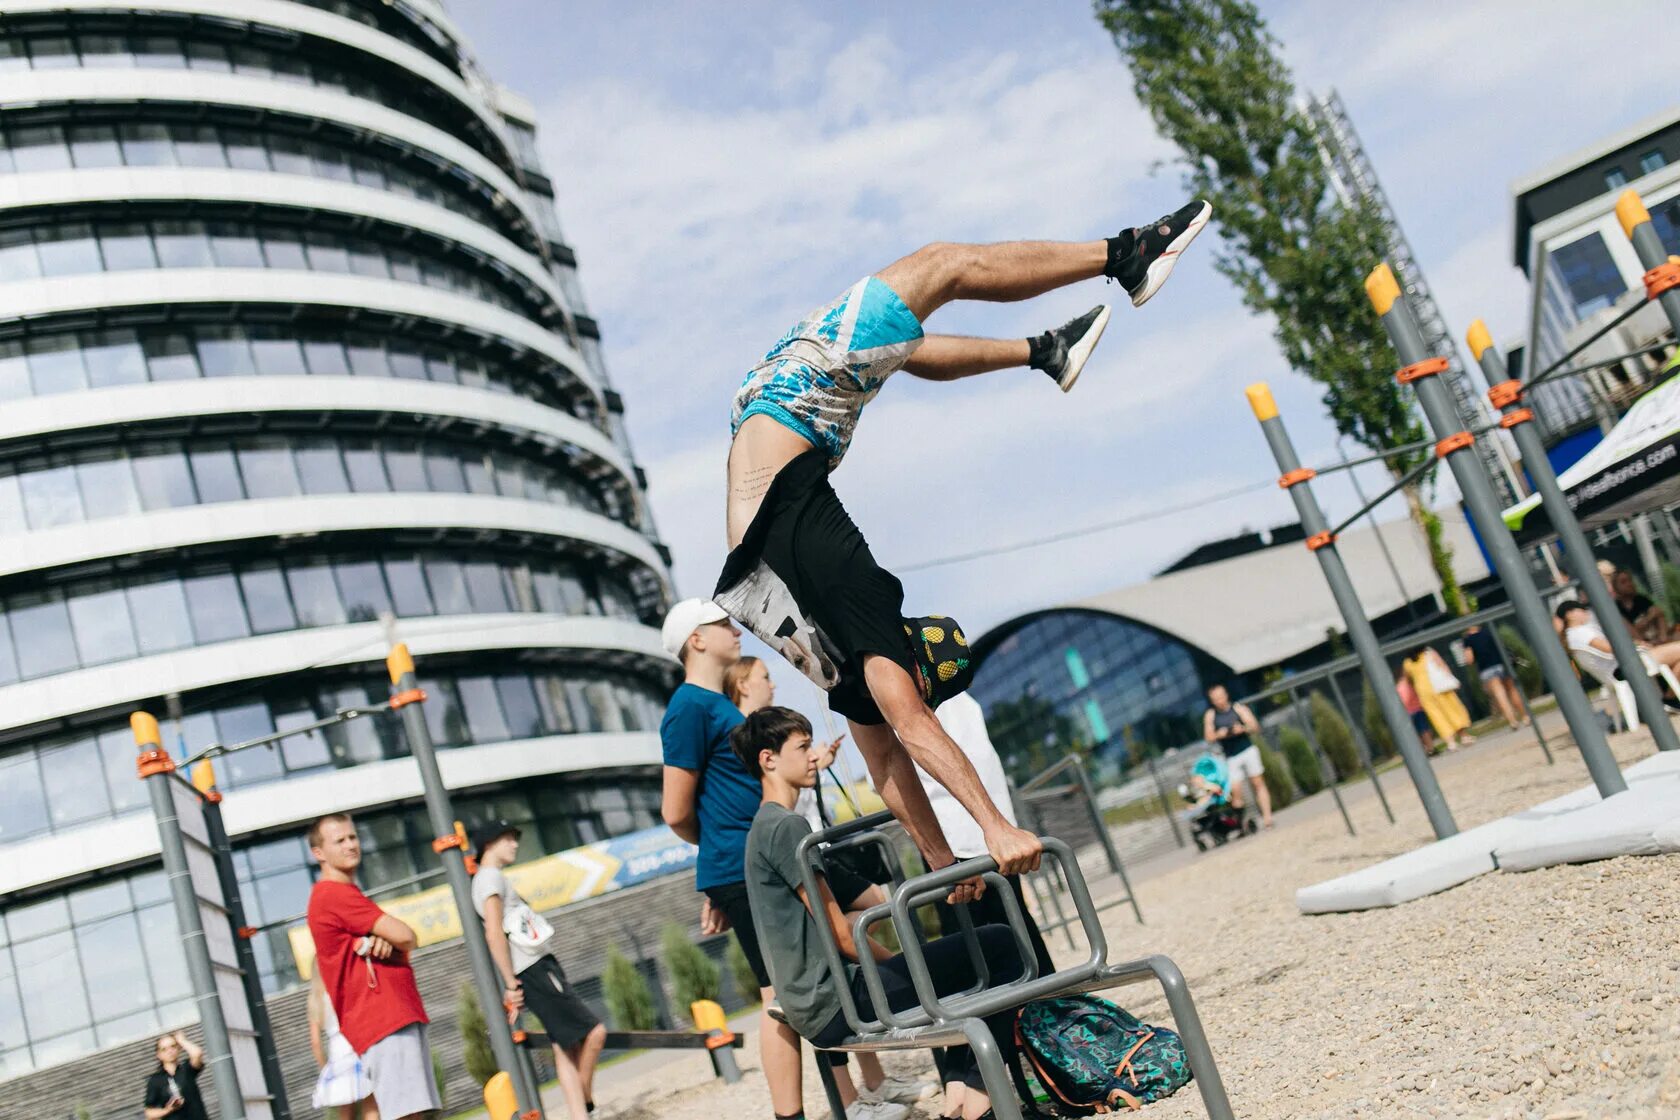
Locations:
{"points": [[362, 953]]}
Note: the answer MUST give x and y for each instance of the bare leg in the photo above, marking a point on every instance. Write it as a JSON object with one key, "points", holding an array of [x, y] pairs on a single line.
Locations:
{"points": [[947, 357], [873, 1074], [571, 1085], [842, 1082], [587, 1054], [778, 1053], [370, 1108], [1263, 798], [936, 274]]}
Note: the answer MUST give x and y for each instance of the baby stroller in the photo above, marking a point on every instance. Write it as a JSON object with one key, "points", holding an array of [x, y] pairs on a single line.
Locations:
{"points": [[1214, 820]]}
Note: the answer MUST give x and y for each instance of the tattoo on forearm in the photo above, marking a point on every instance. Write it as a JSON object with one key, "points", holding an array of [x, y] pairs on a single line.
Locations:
{"points": [[753, 483]]}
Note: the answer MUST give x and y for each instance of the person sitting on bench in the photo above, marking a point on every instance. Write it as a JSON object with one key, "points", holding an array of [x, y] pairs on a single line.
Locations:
{"points": [[774, 744]]}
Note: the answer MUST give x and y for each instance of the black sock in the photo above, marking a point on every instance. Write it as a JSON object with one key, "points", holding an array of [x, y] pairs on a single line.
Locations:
{"points": [[800, 1115], [1119, 248], [1041, 348]]}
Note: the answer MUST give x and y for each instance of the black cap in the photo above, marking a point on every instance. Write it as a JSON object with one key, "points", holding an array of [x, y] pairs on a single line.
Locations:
{"points": [[489, 832]]}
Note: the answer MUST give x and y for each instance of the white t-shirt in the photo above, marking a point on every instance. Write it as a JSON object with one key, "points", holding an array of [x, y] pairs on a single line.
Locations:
{"points": [[1598, 662], [965, 723], [490, 881]]}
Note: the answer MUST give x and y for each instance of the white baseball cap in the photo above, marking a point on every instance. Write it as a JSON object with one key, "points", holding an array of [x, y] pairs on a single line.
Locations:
{"points": [[685, 618]]}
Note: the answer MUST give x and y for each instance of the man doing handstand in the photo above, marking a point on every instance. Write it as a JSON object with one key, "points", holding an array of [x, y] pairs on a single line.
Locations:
{"points": [[799, 573]]}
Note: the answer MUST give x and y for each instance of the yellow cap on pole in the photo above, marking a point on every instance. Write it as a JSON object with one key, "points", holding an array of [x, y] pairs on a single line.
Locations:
{"points": [[204, 775], [1630, 211], [499, 1099], [145, 728], [1382, 287], [1260, 400], [399, 662], [1478, 338]]}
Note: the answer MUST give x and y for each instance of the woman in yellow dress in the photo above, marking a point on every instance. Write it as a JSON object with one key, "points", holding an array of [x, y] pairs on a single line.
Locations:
{"points": [[1430, 676]]}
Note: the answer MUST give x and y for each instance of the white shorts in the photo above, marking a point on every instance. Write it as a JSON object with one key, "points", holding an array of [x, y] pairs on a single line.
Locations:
{"points": [[1244, 764], [400, 1067]]}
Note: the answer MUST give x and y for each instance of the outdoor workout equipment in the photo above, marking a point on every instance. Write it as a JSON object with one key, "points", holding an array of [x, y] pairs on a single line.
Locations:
{"points": [[1506, 395], [1662, 275], [1321, 539], [958, 1020], [1420, 370], [1033, 799]]}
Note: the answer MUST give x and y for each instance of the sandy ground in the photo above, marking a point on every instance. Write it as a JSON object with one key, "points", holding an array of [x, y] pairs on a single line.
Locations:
{"points": [[1552, 995]]}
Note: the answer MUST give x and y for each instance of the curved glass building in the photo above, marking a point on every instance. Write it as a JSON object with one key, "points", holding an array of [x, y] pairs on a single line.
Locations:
{"points": [[290, 341]]}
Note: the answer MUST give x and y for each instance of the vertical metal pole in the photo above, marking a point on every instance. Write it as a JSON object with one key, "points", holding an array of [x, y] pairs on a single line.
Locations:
{"points": [[264, 1030], [156, 769], [1325, 770], [1661, 277], [1359, 632], [1371, 516], [1441, 414], [1166, 802], [441, 818], [1363, 744], [1101, 826], [1522, 694], [1506, 395]]}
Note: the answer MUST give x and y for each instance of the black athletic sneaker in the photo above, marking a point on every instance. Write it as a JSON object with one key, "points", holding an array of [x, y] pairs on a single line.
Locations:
{"points": [[1142, 259], [1061, 352]]}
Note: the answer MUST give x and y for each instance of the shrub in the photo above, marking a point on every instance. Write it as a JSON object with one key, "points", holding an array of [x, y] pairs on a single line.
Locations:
{"points": [[629, 999], [1276, 777], [693, 975], [475, 1036], [439, 1078], [1376, 728], [1334, 736], [1527, 668], [1302, 763], [1669, 598], [740, 970]]}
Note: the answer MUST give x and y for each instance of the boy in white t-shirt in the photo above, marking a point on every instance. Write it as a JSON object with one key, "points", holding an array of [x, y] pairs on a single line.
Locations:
{"points": [[530, 974]]}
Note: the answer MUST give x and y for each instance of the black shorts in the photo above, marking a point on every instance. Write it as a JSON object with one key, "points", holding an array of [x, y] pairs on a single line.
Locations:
{"points": [[847, 885], [805, 536], [561, 1011], [731, 900]]}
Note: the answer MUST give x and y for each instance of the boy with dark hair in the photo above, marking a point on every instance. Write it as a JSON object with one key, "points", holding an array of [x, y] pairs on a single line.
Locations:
{"points": [[774, 745]]}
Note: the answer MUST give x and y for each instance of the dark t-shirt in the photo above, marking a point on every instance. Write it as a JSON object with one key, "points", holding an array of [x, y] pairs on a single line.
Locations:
{"points": [[161, 1087], [1235, 744], [695, 736], [1484, 649], [1635, 610]]}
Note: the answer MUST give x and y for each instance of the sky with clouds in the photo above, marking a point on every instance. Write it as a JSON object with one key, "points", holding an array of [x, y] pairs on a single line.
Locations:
{"points": [[722, 168]]}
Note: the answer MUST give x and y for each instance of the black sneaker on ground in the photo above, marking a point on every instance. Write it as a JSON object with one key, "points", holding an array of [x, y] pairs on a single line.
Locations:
{"points": [[1143, 261], [1061, 352]]}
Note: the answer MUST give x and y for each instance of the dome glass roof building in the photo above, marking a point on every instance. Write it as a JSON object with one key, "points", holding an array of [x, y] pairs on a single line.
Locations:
{"points": [[291, 344]]}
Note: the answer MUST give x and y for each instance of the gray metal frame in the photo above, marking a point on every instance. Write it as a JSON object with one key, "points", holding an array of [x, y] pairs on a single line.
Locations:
{"points": [[1038, 789], [959, 1020]]}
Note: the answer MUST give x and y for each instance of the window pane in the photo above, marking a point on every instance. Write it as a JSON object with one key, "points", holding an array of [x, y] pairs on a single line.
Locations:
{"points": [[161, 619], [156, 52], [117, 986], [126, 246], [485, 588], [235, 245], [14, 371], [69, 249], [277, 356], [216, 475], [289, 154], [217, 612], [103, 629], [207, 56], [314, 595], [114, 358], [116, 751], [402, 463], [326, 357], [406, 363], [245, 150], [182, 245], [17, 255], [321, 469], [107, 487], [40, 149], [23, 803], [55, 365], [363, 588], [51, 497], [408, 588], [160, 941], [224, 352], [301, 752], [164, 480], [284, 250], [54, 1000], [327, 253], [367, 260], [146, 145], [170, 357], [8, 659], [266, 599], [479, 478], [443, 713], [367, 358], [95, 146], [268, 471], [197, 146], [449, 586], [443, 472], [238, 724], [519, 704], [1651, 161], [366, 467], [483, 710], [71, 797]]}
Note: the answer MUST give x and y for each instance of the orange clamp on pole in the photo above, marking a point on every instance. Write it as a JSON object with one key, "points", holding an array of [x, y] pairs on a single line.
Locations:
{"points": [[1455, 442], [409, 696], [1429, 367], [248, 932], [1320, 540], [518, 1036], [531, 1115], [1297, 476], [155, 761], [213, 796], [1505, 393], [1512, 419], [444, 843], [1662, 278]]}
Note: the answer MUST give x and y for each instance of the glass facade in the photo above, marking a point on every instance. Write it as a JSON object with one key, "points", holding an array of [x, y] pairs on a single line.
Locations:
{"points": [[1087, 679], [101, 964]]}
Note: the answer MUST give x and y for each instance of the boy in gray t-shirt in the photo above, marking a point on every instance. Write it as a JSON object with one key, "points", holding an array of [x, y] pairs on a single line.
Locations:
{"points": [[774, 744]]}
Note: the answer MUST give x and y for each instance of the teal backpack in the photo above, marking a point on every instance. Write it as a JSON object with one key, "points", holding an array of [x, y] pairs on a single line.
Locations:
{"points": [[1093, 1056]]}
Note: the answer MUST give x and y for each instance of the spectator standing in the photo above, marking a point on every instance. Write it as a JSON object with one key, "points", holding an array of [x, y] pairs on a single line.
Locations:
{"points": [[172, 1088], [1414, 708], [519, 940], [1482, 650], [1232, 728], [362, 954], [343, 1083]]}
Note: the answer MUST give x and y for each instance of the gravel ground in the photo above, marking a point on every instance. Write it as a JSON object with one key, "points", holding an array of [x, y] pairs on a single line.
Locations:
{"points": [[1552, 995]]}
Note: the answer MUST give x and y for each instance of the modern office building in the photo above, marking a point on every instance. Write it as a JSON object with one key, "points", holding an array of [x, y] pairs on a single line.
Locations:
{"points": [[291, 342], [1584, 271], [1125, 671]]}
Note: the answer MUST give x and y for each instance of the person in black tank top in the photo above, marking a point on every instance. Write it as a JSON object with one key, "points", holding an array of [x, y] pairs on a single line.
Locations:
{"points": [[1233, 728]]}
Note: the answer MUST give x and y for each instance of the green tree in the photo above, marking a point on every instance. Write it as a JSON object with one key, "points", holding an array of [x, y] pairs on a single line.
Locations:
{"points": [[1301, 762], [740, 971], [1210, 75], [441, 1080], [629, 999], [1334, 736], [1527, 668], [475, 1036], [1277, 779], [693, 975], [1669, 598], [1376, 728]]}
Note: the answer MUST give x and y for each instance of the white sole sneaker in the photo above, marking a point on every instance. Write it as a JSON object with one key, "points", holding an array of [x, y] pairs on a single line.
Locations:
{"points": [[1161, 267], [1081, 349]]}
